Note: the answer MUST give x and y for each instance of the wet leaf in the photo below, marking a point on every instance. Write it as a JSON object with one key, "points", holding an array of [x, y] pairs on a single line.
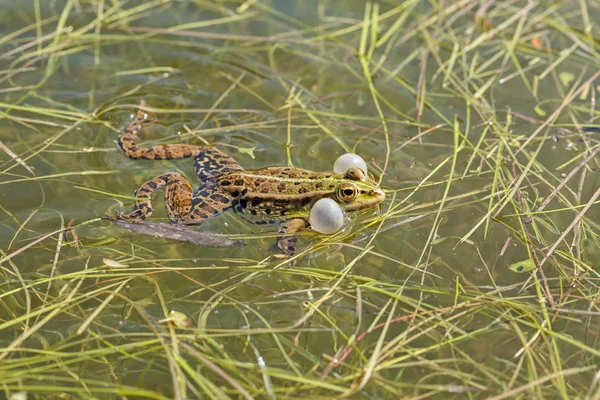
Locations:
{"points": [[175, 232], [566, 78], [18, 396], [539, 111], [113, 264], [515, 142], [522, 266], [585, 92], [247, 150], [179, 319]]}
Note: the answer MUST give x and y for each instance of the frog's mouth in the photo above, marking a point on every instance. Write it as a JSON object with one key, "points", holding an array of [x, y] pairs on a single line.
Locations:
{"points": [[369, 199]]}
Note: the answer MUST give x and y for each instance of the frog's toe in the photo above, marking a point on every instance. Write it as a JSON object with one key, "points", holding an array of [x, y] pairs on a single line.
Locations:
{"points": [[131, 217], [289, 251], [283, 255], [287, 245], [121, 217]]}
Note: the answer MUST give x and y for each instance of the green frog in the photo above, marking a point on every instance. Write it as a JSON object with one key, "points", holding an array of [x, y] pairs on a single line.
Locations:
{"points": [[269, 195]]}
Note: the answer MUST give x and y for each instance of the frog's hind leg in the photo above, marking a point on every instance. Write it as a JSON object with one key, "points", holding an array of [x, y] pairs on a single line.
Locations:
{"points": [[127, 142], [207, 202], [178, 195], [183, 206], [209, 160]]}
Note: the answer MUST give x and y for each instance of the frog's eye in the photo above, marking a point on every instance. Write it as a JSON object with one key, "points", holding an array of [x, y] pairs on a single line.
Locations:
{"points": [[355, 174], [347, 192]]}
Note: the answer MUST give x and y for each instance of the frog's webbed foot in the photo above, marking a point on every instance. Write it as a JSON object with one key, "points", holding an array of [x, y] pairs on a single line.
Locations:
{"points": [[126, 141], [135, 216], [142, 118], [286, 243]]}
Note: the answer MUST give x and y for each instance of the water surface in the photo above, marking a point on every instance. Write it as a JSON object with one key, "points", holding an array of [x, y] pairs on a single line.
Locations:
{"points": [[450, 92]]}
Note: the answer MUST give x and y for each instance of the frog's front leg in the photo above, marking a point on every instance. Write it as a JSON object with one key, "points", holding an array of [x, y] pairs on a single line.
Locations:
{"points": [[286, 243]]}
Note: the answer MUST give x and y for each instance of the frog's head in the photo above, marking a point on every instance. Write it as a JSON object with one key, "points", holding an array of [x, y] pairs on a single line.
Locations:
{"points": [[356, 191]]}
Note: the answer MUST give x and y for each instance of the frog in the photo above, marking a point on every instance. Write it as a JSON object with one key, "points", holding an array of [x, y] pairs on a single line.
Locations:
{"points": [[272, 195]]}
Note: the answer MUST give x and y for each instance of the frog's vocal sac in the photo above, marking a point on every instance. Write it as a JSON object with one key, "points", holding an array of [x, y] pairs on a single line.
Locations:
{"points": [[270, 195]]}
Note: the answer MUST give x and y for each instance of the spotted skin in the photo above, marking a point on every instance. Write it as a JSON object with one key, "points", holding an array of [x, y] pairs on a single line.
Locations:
{"points": [[287, 242], [208, 161], [265, 196]]}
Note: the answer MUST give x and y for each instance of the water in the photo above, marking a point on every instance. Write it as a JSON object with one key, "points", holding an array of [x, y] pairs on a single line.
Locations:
{"points": [[229, 78]]}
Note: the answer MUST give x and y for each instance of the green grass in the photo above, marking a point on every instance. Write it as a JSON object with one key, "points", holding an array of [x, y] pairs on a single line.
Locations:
{"points": [[479, 119]]}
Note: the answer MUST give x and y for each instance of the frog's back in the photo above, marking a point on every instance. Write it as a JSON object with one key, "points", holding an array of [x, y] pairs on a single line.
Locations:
{"points": [[279, 183], [277, 191]]}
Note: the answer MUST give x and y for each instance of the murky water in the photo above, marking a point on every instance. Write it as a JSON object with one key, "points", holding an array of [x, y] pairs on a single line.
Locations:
{"points": [[284, 76]]}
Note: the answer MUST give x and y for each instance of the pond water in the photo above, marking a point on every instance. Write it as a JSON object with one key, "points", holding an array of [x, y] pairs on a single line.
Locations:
{"points": [[468, 113]]}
